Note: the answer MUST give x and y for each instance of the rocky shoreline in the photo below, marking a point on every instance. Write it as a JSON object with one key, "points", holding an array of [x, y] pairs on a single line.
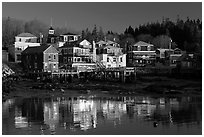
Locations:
{"points": [[152, 86]]}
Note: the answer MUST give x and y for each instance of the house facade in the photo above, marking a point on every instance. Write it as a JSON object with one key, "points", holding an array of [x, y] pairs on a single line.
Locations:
{"points": [[110, 57], [43, 58], [141, 54], [22, 41], [68, 37], [173, 58], [76, 56]]}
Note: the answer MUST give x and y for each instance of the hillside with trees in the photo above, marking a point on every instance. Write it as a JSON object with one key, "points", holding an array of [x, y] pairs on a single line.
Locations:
{"points": [[186, 35]]}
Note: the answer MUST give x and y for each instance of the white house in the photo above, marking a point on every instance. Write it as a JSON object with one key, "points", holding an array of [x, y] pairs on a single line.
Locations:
{"points": [[111, 57], [22, 41]]}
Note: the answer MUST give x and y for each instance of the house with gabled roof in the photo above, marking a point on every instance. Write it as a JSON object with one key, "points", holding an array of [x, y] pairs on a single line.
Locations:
{"points": [[42, 58], [22, 41], [141, 54], [76, 55], [110, 57]]}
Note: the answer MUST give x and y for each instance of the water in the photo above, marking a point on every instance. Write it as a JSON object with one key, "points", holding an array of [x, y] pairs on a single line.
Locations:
{"points": [[102, 115]]}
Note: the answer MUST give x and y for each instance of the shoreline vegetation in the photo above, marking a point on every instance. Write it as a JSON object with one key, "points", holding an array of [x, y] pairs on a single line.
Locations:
{"points": [[152, 86]]}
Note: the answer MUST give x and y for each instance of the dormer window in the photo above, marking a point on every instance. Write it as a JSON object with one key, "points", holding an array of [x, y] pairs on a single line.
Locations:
{"points": [[139, 48], [148, 48]]}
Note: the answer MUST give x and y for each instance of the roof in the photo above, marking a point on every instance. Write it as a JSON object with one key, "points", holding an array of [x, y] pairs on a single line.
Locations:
{"points": [[26, 35], [101, 42], [51, 28], [112, 47], [85, 42], [163, 50], [110, 42], [142, 43], [37, 49], [70, 34], [70, 44]]}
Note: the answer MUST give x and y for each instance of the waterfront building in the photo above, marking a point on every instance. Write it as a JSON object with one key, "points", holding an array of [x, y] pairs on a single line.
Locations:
{"points": [[52, 39], [76, 55], [110, 57], [186, 61], [141, 54], [173, 58], [68, 37], [163, 53], [43, 58], [22, 41]]}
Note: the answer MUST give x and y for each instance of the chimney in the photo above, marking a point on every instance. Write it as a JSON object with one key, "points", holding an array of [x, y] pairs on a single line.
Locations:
{"points": [[94, 51], [41, 38], [170, 43]]}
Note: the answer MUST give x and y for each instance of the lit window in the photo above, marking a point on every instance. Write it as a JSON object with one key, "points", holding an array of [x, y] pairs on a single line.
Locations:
{"points": [[148, 48], [36, 65], [139, 48], [114, 59]]}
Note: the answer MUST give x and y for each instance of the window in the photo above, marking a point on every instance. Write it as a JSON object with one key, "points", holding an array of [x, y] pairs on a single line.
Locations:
{"points": [[54, 65], [36, 65], [52, 40], [45, 65], [54, 56], [75, 59], [114, 59], [20, 40], [139, 48], [18, 57], [148, 48], [108, 59], [121, 59], [65, 38], [49, 58], [65, 59]]}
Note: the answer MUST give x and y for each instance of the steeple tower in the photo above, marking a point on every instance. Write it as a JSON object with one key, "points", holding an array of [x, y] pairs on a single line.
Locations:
{"points": [[51, 30]]}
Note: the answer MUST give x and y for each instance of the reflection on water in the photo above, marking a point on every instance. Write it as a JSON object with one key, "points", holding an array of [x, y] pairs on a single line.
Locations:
{"points": [[102, 115]]}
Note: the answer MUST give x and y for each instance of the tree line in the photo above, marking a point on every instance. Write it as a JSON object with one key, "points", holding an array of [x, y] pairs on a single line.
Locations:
{"points": [[11, 27], [186, 35]]}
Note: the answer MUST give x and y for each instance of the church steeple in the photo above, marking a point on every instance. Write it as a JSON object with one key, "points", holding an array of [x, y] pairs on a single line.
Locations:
{"points": [[51, 30]]}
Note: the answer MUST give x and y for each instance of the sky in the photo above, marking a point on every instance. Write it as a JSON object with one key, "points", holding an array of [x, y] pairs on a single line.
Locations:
{"points": [[115, 16]]}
